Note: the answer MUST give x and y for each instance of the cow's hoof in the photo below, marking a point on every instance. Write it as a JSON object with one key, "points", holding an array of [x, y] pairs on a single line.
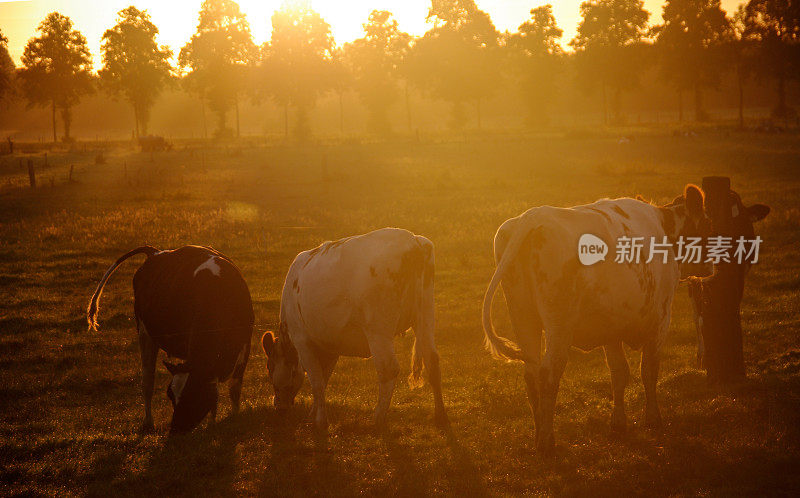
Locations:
{"points": [[147, 428]]}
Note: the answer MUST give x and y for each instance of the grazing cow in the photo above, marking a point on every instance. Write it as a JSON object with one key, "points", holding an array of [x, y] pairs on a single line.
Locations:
{"points": [[716, 300], [194, 304], [350, 298], [605, 304]]}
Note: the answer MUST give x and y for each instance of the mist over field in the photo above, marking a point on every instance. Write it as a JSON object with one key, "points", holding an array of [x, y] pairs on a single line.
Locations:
{"points": [[262, 151]]}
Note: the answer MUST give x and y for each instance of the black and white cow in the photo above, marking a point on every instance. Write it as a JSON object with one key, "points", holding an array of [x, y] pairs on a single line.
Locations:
{"points": [[194, 304], [351, 297], [602, 305]]}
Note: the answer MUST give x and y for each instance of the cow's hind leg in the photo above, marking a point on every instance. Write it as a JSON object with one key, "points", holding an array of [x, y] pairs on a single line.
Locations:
{"points": [[149, 353], [235, 385], [527, 326], [620, 374], [425, 344], [553, 364], [385, 361], [316, 377], [650, 379], [326, 362]]}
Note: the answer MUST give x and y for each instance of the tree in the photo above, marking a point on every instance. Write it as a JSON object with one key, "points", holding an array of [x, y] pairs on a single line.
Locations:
{"points": [[134, 66], [375, 60], [57, 68], [341, 80], [774, 25], [740, 53], [536, 57], [220, 56], [609, 47], [6, 68], [297, 61], [692, 40], [458, 60]]}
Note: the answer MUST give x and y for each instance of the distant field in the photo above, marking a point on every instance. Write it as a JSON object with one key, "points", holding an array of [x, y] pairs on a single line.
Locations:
{"points": [[70, 402]]}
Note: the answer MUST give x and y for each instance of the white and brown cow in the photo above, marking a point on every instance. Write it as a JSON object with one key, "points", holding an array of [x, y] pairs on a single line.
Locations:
{"points": [[194, 304], [351, 297], [602, 305]]}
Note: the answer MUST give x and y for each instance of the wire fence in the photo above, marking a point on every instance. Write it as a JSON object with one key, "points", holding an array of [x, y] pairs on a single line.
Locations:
{"points": [[259, 329]]}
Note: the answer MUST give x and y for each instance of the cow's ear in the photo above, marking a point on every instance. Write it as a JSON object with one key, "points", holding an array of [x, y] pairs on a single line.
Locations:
{"points": [[268, 342], [176, 368], [757, 212], [694, 200]]}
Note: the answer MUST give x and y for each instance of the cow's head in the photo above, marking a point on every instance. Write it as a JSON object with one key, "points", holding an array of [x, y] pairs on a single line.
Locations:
{"points": [[283, 369], [685, 217], [742, 218], [192, 397]]}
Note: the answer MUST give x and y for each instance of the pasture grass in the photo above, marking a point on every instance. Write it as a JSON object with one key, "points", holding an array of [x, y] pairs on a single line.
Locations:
{"points": [[70, 400]]}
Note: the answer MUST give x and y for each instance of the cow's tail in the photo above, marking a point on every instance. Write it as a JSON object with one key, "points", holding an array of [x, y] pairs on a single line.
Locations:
{"points": [[498, 346], [423, 327], [93, 309]]}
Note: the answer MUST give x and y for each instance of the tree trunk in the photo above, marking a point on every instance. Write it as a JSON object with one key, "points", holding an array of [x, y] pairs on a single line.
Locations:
{"points": [[286, 120], [136, 121], [781, 96], [302, 127], [740, 83], [617, 106], [341, 115], [236, 104], [222, 121], [699, 115], [66, 117], [203, 107], [408, 108], [55, 136]]}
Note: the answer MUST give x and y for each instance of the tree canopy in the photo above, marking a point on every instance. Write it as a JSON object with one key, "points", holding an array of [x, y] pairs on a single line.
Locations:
{"points": [[219, 55], [57, 68], [375, 60], [6, 68], [536, 58], [297, 60], [458, 60], [608, 46], [692, 39], [134, 65], [774, 27]]}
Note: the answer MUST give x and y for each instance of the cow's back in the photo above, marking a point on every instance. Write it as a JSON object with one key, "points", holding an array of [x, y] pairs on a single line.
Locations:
{"points": [[332, 291], [606, 300], [195, 305]]}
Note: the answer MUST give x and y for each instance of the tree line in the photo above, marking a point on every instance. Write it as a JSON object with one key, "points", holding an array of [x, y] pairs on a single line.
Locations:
{"points": [[462, 60]]}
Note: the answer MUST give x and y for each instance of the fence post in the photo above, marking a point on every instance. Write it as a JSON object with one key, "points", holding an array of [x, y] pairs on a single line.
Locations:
{"points": [[31, 173], [721, 323]]}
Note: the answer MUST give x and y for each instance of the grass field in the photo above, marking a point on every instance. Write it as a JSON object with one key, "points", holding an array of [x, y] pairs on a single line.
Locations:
{"points": [[70, 402]]}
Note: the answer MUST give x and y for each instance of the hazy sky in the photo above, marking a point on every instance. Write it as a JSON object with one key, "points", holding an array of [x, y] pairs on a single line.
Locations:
{"points": [[177, 19]]}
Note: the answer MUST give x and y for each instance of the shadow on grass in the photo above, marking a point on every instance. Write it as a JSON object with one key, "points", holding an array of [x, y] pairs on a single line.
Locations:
{"points": [[297, 468], [202, 462]]}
